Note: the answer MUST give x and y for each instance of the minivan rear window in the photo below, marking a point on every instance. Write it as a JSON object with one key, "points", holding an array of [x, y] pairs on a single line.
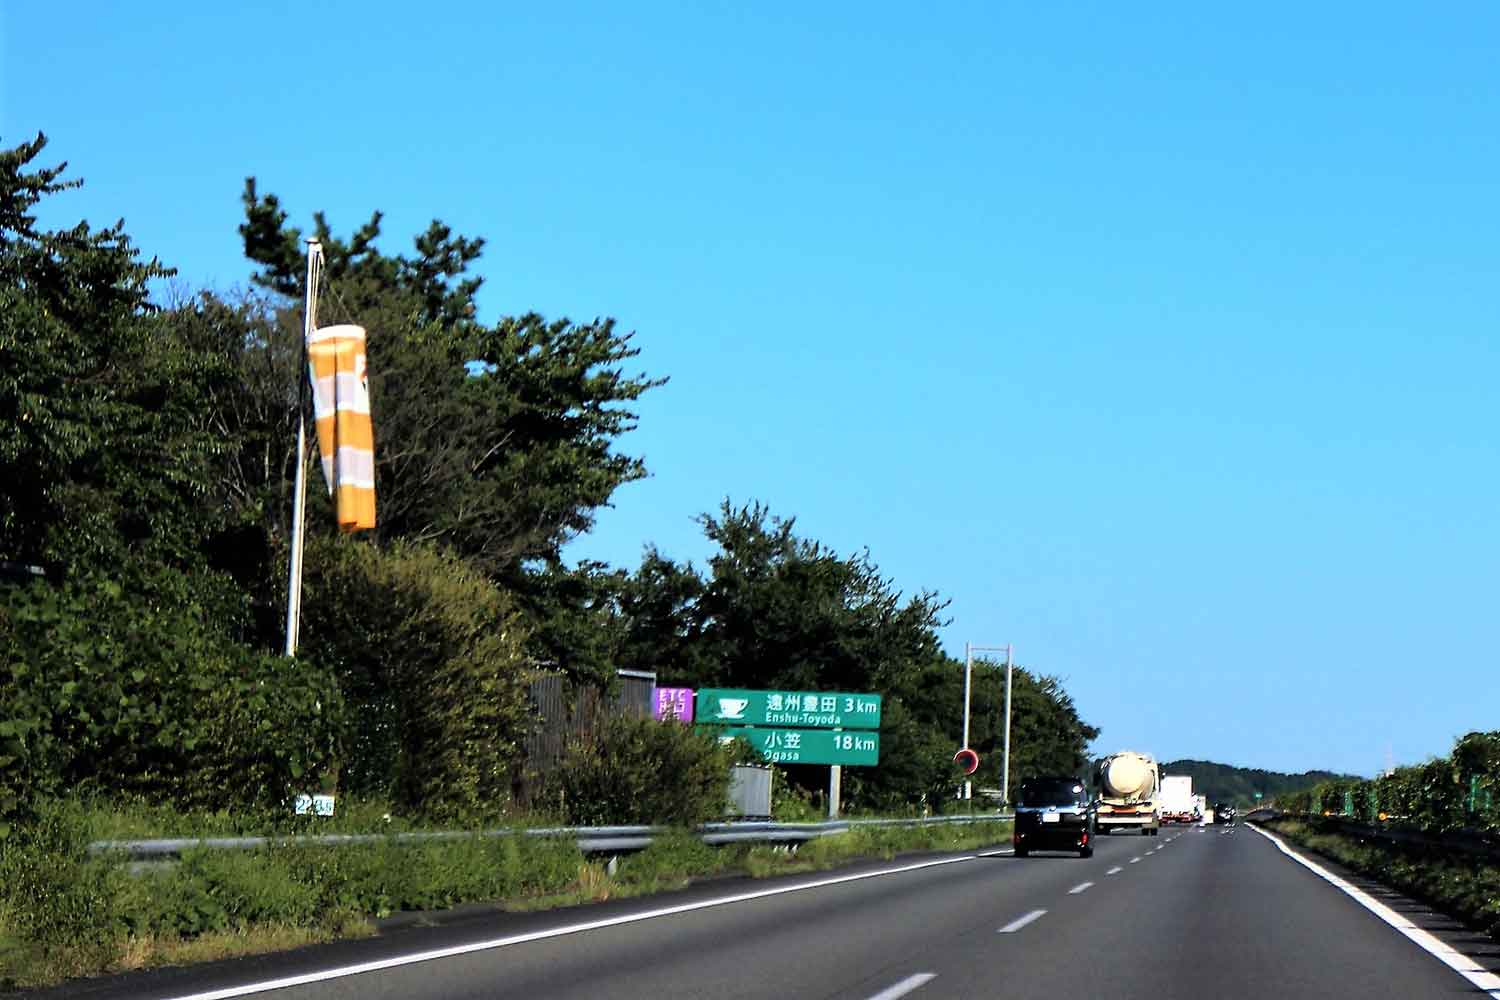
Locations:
{"points": [[1052, 792]]}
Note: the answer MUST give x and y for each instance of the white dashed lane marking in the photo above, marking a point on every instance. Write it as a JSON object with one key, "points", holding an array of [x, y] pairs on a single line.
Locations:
{"points": [[1084, 887], [1020, 922], [1115, 870], [905, 986]]}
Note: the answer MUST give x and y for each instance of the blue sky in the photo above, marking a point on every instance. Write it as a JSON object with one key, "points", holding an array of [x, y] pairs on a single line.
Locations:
{"points": [[1161, 342]]}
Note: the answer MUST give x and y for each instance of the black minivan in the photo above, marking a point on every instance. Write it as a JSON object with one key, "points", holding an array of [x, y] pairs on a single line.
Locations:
{"points": [[1054, 814]]}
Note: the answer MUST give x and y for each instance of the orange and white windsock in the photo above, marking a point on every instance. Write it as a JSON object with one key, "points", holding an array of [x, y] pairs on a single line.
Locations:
{"points": [[341, 406]]}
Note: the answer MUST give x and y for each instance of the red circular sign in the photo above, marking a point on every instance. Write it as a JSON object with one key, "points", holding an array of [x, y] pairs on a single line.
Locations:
{"points": [[967, 759]]}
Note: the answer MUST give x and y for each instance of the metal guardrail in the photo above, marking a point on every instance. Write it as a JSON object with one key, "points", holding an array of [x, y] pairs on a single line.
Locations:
{"points": [[590, 839]]}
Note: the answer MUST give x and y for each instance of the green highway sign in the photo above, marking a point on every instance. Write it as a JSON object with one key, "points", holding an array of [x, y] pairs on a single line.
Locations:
{"points": [[811, 746], [801, 709]]}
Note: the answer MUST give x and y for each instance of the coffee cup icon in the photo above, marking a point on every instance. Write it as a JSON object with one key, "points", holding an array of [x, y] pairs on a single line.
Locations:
{"points": [[733, 708]]}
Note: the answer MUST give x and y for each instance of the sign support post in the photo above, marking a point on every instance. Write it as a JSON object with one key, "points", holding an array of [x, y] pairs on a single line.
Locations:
{"points": [[969, 650], [835, 789], [1005, 767]]}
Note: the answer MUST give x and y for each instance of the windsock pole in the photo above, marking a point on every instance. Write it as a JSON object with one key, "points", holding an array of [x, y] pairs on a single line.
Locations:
{"points": [[299, 488]]}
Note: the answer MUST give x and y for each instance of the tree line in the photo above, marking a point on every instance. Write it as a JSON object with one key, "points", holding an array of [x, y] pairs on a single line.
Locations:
{"points": [[1239, 785], [146, 464]]}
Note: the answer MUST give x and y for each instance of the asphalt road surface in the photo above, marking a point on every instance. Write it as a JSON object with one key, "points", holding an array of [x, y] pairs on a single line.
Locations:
{"points": [[1196, 913]]}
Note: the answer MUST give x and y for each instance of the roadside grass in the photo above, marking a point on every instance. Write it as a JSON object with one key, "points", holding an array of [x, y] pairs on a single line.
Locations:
{"points": [[1465, 887], [66, 913]]}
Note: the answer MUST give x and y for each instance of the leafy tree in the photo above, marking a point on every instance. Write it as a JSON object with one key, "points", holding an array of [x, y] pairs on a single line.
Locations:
{"points": [[916, 764], [105, 438], [660, 628], [782, 612], [1227, 783], [779, 611], [496, 441], [1047, 735], [574, 614], [436, 276]]}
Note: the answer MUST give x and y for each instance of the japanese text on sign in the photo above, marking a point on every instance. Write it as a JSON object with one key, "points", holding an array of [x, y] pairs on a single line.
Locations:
{"points": [[803, 709]]}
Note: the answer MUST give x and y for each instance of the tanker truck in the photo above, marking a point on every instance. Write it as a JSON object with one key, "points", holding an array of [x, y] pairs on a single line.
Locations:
{"points": [[1127, 784]]}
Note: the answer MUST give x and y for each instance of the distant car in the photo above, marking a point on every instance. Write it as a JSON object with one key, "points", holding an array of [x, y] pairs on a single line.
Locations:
{"points": [[1054, 814], [1224, 813]]}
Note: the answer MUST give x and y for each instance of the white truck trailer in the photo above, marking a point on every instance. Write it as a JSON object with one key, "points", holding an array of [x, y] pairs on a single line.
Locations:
{"points": [[1176, 802]]}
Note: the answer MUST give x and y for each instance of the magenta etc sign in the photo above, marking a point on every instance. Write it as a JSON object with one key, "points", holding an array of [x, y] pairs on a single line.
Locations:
{"points": [[672, 704]]}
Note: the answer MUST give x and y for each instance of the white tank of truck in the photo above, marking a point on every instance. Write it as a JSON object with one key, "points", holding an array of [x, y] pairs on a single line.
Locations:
{"points": [[1128, 783]]}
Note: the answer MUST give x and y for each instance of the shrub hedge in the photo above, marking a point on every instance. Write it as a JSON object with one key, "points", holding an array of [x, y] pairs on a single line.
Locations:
{"points": [[134, 685], [429, 655], [639, 771], [1454, 793]]}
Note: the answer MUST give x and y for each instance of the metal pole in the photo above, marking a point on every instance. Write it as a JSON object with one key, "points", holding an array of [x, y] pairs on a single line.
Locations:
{"points": [[968, 675], [1005, 761], [299, 487], [835, 790]]}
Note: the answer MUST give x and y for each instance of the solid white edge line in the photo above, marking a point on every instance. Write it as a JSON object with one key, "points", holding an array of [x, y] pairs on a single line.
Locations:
{"points": [[466, 949], [1454, 959], [905, 986], [1022, 921], [1115, 870], [1083, 887]]}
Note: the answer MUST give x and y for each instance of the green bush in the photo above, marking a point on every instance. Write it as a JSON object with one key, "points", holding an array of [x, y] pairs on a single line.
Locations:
{"points": [[135, 686], [430, 661], [637, 771], [791, 803]]}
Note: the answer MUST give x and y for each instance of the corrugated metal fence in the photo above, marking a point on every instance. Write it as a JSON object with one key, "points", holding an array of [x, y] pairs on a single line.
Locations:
{"points": [[569, 712]]}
